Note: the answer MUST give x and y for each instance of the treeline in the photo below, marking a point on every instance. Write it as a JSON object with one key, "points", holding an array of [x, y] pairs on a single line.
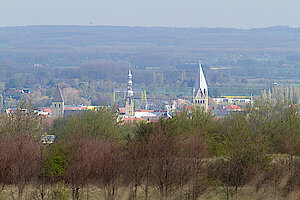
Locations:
{"points": [[287, 95], [189, 156]]}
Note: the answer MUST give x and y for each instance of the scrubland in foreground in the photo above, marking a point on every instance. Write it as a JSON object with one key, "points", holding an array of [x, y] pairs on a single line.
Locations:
{"points": [[252, 154]]}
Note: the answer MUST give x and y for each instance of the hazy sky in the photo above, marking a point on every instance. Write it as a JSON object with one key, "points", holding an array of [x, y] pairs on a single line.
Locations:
{"points": [[179, 13]]}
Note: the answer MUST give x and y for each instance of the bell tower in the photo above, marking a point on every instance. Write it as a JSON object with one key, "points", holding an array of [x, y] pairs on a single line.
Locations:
{"points": [[129, 108], [57, 104]]}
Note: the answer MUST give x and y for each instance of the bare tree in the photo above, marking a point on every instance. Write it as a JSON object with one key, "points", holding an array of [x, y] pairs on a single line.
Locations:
{"points": [[164, 152], [107, 167], [80, 149], [22, 130], [5, 162], [22, 162], [193, 151], [135, 165]]}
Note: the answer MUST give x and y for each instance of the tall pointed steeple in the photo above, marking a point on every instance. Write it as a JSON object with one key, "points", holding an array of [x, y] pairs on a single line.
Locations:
{"points": [[57, 104], [200, 90], [130, 83], [57, 95], [129, 108]]}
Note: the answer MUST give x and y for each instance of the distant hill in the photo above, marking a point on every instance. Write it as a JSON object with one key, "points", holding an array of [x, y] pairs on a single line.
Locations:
{"points": [[254, 57], [56, 44], [91, 36]]}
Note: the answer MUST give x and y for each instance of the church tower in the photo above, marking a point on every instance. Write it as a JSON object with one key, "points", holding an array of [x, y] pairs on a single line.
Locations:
{"points": [[129, 108], [57, 104], [200, 91]]}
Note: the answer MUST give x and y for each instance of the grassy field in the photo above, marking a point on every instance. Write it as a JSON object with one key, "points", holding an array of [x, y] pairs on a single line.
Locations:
{"points": [[256, 189], [93, 193]]}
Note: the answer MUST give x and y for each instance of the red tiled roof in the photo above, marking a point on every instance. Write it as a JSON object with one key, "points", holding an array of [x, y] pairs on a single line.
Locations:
{"points": [[46, 109], [132, 119], [233, 107]]}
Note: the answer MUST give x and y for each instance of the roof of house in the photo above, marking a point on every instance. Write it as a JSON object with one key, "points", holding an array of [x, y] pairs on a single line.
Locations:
{"points": [[233, 107], [45, 109], [57, 95], [145, 114]]}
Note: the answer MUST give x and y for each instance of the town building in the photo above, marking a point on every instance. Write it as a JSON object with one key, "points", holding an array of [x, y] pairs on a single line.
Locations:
{"points": [[232, 100], [233, 108], [200, 91], [129, 107], [59, 109], [57, 104]]}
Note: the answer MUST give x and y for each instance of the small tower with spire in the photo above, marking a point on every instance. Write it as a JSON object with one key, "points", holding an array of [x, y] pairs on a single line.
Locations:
{"points": [[200, 90], [57, 104], [129, 108]]}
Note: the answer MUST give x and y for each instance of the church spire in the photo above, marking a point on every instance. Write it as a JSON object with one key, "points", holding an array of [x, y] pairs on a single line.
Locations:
{"points": [[57, 104], [130, 83], [129, 108], [57, 95], [200, 90]]}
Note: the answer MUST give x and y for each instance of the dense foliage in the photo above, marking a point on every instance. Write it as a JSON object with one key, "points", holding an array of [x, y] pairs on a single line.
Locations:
{"points": [[184, 157]]}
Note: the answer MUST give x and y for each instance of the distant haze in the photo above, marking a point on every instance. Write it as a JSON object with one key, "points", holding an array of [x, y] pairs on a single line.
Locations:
{"points": [[174, 13]]}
